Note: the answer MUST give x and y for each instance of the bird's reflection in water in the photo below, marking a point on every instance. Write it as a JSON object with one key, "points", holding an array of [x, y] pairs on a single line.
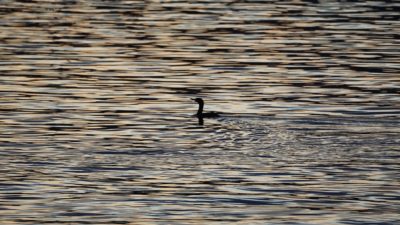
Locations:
{"points": [[201, 120]]}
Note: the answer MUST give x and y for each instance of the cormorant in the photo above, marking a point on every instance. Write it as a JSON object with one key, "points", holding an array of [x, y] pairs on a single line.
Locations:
{"points": [[200, 113]]}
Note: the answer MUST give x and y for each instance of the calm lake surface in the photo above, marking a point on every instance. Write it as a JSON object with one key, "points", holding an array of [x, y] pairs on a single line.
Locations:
{"points": [[96, 122]]}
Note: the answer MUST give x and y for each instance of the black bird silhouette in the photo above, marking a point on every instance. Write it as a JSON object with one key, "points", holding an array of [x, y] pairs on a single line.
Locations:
{"points": [[200, 113]]}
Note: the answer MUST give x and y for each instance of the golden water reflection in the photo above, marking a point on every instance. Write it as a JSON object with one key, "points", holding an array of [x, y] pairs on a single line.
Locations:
{"points": [[97, 127]]}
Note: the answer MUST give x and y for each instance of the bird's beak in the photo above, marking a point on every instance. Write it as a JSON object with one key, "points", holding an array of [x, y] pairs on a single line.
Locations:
{"points": [[193, 99]]}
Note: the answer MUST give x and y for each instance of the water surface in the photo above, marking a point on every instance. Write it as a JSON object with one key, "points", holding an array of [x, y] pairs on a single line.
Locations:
{"points": [[96, 118]]}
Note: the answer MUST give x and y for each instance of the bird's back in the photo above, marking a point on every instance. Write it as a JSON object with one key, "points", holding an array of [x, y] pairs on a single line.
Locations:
{"points": [[210, 114]]}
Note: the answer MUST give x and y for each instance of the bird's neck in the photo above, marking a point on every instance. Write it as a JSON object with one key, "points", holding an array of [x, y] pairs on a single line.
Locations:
{"points": [[200, 111]]}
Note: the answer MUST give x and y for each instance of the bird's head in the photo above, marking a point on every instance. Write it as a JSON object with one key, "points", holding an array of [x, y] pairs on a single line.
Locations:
{"points": [[198, 100]]}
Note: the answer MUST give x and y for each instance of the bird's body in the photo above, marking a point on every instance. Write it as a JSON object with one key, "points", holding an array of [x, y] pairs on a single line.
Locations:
{"points": [[200, 112], [209, 114]]}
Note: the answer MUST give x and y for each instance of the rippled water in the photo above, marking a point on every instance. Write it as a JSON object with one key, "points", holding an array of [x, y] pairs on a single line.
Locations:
{"points": [[96, 118]]}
